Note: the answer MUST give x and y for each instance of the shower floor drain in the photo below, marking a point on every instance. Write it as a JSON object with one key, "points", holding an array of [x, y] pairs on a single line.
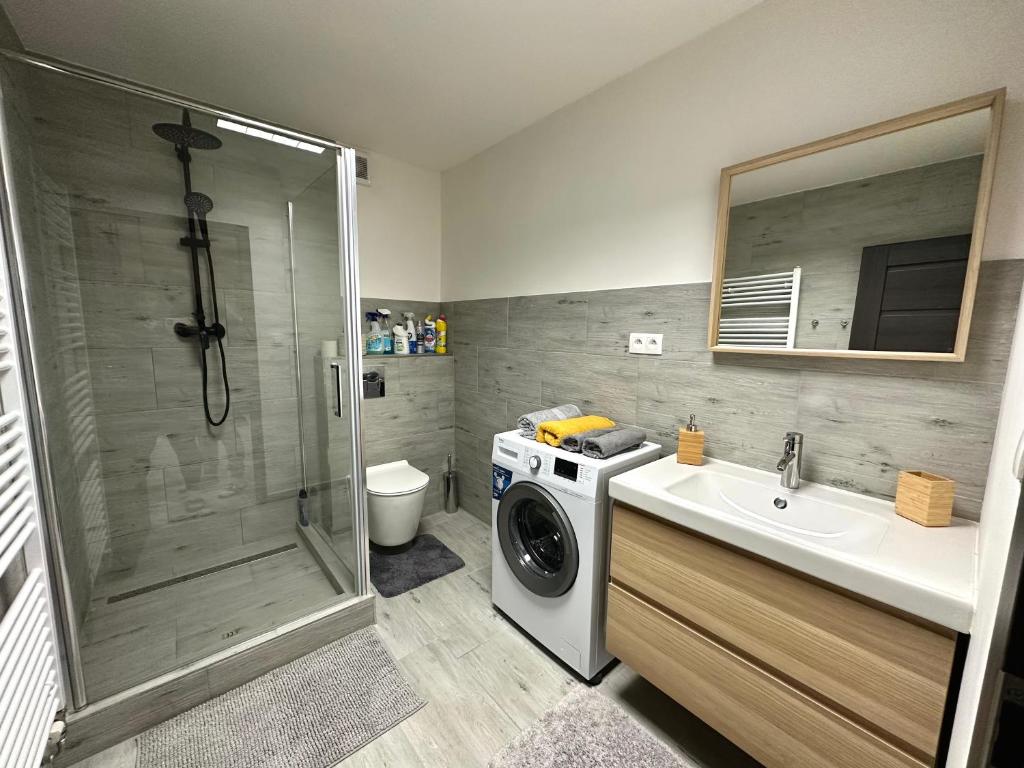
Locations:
{"points": [[200, 573]]}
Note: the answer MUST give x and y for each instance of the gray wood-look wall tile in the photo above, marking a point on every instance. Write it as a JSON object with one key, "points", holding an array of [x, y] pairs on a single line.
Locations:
{"points": [[406, 413], [140, 440], [481, 413], [864, 419], [483, 322], [427, 373], [135, 502], [467, 368], [744, 412], [511, 373], [596, 383], [254, 373], [125, 377], [548, 322], [138, 316], [865, 428], [680, 312], [266, 425]]}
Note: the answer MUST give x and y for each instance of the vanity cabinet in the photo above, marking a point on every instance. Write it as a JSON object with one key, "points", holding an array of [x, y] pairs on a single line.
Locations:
{"points": [[794, 672]]}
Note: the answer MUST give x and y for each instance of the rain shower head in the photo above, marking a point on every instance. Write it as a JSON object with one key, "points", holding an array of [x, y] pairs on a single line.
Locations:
{"points": [[184, 135], [198, 203]]}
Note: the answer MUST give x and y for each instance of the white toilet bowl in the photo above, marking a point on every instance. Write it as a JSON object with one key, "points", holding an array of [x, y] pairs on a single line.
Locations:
{"points": [[395, 494]]}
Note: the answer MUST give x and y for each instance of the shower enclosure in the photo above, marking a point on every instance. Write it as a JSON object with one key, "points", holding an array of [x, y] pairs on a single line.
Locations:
{"points": [[189, 297]]}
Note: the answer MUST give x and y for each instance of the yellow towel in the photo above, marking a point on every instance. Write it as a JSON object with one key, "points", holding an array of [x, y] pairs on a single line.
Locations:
{"points": [[552, 432]]}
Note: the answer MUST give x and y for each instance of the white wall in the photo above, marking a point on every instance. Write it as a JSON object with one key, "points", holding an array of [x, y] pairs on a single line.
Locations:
{"points": [[997, 546], [399, 218], [618, 189]]}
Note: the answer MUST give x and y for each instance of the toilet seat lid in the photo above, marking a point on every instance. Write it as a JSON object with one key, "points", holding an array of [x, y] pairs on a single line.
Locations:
{"points": [[395, 479]]}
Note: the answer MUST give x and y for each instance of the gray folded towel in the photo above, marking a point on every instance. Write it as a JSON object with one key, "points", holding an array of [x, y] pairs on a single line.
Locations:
{"points": [[528, 422], [574, 443], [613, 442]]}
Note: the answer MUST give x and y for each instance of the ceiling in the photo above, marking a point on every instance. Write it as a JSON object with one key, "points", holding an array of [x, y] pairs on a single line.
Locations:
{"points": [[432, 82]]}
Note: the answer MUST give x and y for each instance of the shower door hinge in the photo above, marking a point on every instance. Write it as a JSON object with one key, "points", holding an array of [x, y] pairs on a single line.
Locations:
{"points": [[55, 740]]}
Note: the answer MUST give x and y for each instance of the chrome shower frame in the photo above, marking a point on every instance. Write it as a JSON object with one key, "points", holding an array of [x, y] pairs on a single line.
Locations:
{"points": [[348, 256]]}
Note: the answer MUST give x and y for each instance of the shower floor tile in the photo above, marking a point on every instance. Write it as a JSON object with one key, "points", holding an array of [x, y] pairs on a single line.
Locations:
{"points": [[134, 639]]}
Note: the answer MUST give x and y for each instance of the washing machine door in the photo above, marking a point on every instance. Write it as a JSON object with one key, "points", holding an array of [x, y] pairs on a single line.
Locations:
{"points": [[537, 540]]}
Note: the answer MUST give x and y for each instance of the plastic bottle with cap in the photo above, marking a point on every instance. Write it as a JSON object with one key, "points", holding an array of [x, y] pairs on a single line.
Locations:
{"points": [[441, 347]]}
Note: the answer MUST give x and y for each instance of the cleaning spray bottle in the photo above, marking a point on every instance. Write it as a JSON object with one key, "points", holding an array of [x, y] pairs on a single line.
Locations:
{"points": [[374, 342], [385, 333], [441, 347], [410, 330], [429, 335], [401, 340]]}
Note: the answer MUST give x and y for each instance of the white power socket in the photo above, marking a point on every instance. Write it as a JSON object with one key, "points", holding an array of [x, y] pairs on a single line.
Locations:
{"points": [[645, 343]]}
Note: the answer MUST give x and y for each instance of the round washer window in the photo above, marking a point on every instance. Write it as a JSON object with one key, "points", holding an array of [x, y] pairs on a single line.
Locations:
{"points": [[537, 540]]}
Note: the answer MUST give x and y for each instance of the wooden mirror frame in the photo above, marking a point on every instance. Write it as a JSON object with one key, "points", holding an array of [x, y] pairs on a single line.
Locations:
{"points": [[994, 100]]}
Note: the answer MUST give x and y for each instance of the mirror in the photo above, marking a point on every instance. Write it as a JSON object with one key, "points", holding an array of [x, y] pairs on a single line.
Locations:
{"points": [[866, 244]]}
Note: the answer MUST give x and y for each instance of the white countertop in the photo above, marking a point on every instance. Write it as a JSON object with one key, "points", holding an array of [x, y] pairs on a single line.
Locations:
{"points": [[927, 572]]}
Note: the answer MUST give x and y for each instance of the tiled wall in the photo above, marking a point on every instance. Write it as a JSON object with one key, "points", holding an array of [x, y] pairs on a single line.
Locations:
{"points": [[415, 420], [863, 420]]}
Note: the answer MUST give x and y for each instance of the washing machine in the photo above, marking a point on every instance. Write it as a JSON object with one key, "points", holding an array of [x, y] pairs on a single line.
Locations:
{"points": [[550, 521]]}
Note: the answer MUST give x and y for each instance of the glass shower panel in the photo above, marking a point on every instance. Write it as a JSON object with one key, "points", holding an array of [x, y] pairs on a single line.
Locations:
{"points": [[325, 408], [180, 531]]}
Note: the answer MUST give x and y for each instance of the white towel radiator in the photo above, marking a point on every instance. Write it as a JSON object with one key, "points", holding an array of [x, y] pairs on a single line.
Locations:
{"points": [[776, 291], [31, 683]]}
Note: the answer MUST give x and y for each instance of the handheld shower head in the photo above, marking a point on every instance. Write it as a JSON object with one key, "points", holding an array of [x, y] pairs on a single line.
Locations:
{"points": [[198, 203]]}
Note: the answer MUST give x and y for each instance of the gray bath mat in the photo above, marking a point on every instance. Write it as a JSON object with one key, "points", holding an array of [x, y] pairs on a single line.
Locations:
{"points": [[587, 730], [393, 573], [311, 713]]}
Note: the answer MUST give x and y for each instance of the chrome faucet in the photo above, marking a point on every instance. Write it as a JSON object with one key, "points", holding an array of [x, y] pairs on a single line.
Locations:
{"points": [[789, 464]]}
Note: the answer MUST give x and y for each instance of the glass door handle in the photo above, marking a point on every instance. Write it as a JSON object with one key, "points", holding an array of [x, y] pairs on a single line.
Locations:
{"points": [[336, 381]]}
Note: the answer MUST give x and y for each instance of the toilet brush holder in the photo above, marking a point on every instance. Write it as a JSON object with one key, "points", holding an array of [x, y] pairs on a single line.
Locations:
{"points": [[451, 489]]}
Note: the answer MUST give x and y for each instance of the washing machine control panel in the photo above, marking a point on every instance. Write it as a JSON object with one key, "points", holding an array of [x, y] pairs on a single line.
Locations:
{"points": [[543, 464]]}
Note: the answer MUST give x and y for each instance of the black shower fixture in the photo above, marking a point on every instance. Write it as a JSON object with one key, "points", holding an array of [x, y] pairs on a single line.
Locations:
{"points": [[184, 137]]}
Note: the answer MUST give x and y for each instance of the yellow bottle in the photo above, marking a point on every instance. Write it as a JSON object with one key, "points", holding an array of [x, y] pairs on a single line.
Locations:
{"points": [[441, 347]]}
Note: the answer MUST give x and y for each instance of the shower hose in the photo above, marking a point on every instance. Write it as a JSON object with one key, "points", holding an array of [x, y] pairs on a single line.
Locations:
{"points": [[218, 334]]}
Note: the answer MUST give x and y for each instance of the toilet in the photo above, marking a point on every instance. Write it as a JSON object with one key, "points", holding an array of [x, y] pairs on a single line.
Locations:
{"points": [[395, 494]]}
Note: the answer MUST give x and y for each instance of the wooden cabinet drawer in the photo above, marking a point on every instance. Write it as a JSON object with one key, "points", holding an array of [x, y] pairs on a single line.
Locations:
{"points": [[770, 720], [879, 669]]}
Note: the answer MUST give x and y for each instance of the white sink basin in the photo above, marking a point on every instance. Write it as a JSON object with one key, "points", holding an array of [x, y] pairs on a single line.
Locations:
{"points": [[854, 542], [816, 514]]}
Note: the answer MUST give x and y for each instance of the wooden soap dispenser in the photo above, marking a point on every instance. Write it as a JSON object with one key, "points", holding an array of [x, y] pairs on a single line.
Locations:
{"points": [[691, 444]]}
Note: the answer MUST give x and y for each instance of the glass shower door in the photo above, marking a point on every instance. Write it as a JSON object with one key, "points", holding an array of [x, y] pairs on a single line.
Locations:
{"points": [[179, 537], [326, 411]]}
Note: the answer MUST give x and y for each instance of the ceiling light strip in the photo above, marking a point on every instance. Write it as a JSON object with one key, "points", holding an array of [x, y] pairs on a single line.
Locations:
{"points": [[276, 138]]}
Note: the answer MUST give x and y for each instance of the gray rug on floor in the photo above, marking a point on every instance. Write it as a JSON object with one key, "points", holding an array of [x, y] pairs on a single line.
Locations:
{"points": [[311, 713], [393, 573], [587, 730]]}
